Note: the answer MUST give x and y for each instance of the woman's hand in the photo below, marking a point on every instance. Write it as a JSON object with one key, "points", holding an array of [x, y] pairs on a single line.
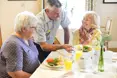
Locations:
{"points": [[88, 40]]}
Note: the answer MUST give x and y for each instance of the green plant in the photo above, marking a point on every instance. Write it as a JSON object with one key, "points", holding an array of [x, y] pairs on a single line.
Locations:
{"points": [[105, 38]]}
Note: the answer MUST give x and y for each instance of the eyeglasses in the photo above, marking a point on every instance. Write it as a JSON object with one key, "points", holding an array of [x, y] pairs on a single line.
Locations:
{"points": [[33, 27]]}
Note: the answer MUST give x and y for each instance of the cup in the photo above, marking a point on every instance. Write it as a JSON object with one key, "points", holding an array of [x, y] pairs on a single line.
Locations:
{"points": [[108, 57], [78, 54], [85, 62], [95, 57], [68, 63]]}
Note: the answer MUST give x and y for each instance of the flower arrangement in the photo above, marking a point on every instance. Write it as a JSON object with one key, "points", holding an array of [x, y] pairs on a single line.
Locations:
{"points": [[105, 38]]}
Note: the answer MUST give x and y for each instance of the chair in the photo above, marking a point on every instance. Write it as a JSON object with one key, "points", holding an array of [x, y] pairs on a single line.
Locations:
{"points": [[56, 41], [0, 37], [107, 29]]}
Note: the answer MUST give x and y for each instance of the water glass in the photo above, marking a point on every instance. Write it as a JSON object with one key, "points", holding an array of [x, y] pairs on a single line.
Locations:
{"points": [[95, 60]]}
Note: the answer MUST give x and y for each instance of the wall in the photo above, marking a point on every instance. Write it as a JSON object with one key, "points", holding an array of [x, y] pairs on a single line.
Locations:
{"points": [[108, 10], [60, 35], [8, 11]]}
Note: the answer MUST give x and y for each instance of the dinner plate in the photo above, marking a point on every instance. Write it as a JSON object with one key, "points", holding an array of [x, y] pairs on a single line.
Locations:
{"points": [[58, 66]]}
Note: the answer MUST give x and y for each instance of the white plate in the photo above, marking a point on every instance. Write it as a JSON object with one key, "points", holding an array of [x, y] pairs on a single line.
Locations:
{"points": [[58, 66]]}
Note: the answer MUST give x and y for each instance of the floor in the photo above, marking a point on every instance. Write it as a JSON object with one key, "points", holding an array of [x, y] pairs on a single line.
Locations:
{"points": [[113, 49]]}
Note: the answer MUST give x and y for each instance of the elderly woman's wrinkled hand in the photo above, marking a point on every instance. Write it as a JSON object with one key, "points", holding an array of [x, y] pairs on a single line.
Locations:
{"points": [[67, 47]]}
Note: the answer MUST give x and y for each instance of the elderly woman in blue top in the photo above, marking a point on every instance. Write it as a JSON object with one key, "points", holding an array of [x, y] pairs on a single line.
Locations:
{"points": [[19, 56]]}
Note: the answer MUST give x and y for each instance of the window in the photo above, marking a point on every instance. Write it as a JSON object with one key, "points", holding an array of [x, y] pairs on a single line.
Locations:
{"points": [[75, 9]]}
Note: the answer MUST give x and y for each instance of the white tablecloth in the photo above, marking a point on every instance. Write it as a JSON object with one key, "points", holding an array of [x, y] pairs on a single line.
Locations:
{"points": [[44, 72]]}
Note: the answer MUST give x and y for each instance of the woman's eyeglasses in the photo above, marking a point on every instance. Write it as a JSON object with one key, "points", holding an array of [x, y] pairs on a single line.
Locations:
{"points": [[33, 27]]}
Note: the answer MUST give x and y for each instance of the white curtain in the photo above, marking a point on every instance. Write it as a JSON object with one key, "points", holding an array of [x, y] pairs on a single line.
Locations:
{"points": [[90, 5]]}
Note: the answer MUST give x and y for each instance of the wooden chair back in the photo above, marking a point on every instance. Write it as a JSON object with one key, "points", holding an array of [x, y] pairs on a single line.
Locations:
{"points": [[0, 37]]}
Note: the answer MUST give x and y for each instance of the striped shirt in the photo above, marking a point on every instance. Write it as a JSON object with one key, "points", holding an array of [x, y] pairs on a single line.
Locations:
{"points": [[46, 28]]}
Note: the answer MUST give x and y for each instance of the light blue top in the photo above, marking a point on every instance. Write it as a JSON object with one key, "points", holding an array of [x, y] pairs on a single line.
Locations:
{"points": [[17, 55]]}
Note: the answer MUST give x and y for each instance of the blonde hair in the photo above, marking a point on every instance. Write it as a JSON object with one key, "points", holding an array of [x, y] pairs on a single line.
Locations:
{"points": [[95, 18]]}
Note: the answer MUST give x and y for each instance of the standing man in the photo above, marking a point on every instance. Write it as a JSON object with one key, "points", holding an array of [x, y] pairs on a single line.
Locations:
{"points": [[49, 21]]}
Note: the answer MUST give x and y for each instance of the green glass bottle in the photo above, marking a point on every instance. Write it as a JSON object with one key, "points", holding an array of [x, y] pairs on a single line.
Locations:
{"points": [[101, 60]]}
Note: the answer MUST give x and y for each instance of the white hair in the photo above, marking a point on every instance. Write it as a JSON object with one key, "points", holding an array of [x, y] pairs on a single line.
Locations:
{"points": [[25, 19]]}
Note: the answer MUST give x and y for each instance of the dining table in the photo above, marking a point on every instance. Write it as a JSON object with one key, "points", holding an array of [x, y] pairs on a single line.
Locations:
{"points": [[44, 71]]}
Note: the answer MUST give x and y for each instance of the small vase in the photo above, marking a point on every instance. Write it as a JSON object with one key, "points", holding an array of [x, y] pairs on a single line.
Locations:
{"points": [[101, 60]]}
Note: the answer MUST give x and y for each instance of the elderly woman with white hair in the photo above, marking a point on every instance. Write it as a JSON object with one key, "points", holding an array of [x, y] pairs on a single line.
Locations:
{"points": [[19, 56], [89, 33]]}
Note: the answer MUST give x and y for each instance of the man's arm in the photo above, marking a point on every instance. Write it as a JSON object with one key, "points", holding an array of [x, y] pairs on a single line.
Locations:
{"points": [[66, 35], [53, 47]]}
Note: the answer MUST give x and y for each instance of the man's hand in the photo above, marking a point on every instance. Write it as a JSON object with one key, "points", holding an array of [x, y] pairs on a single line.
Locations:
{"points": [[53, 47], [67, 47]]}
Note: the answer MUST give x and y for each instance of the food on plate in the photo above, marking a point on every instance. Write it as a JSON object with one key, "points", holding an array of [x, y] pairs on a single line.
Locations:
{"points": [[54, 61], [84, 48], [87, 48], [78, 47]]}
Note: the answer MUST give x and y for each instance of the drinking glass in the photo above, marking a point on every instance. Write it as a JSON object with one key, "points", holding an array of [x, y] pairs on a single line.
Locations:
{"points": [[95, 58], [68, 64], [78, 54]]}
